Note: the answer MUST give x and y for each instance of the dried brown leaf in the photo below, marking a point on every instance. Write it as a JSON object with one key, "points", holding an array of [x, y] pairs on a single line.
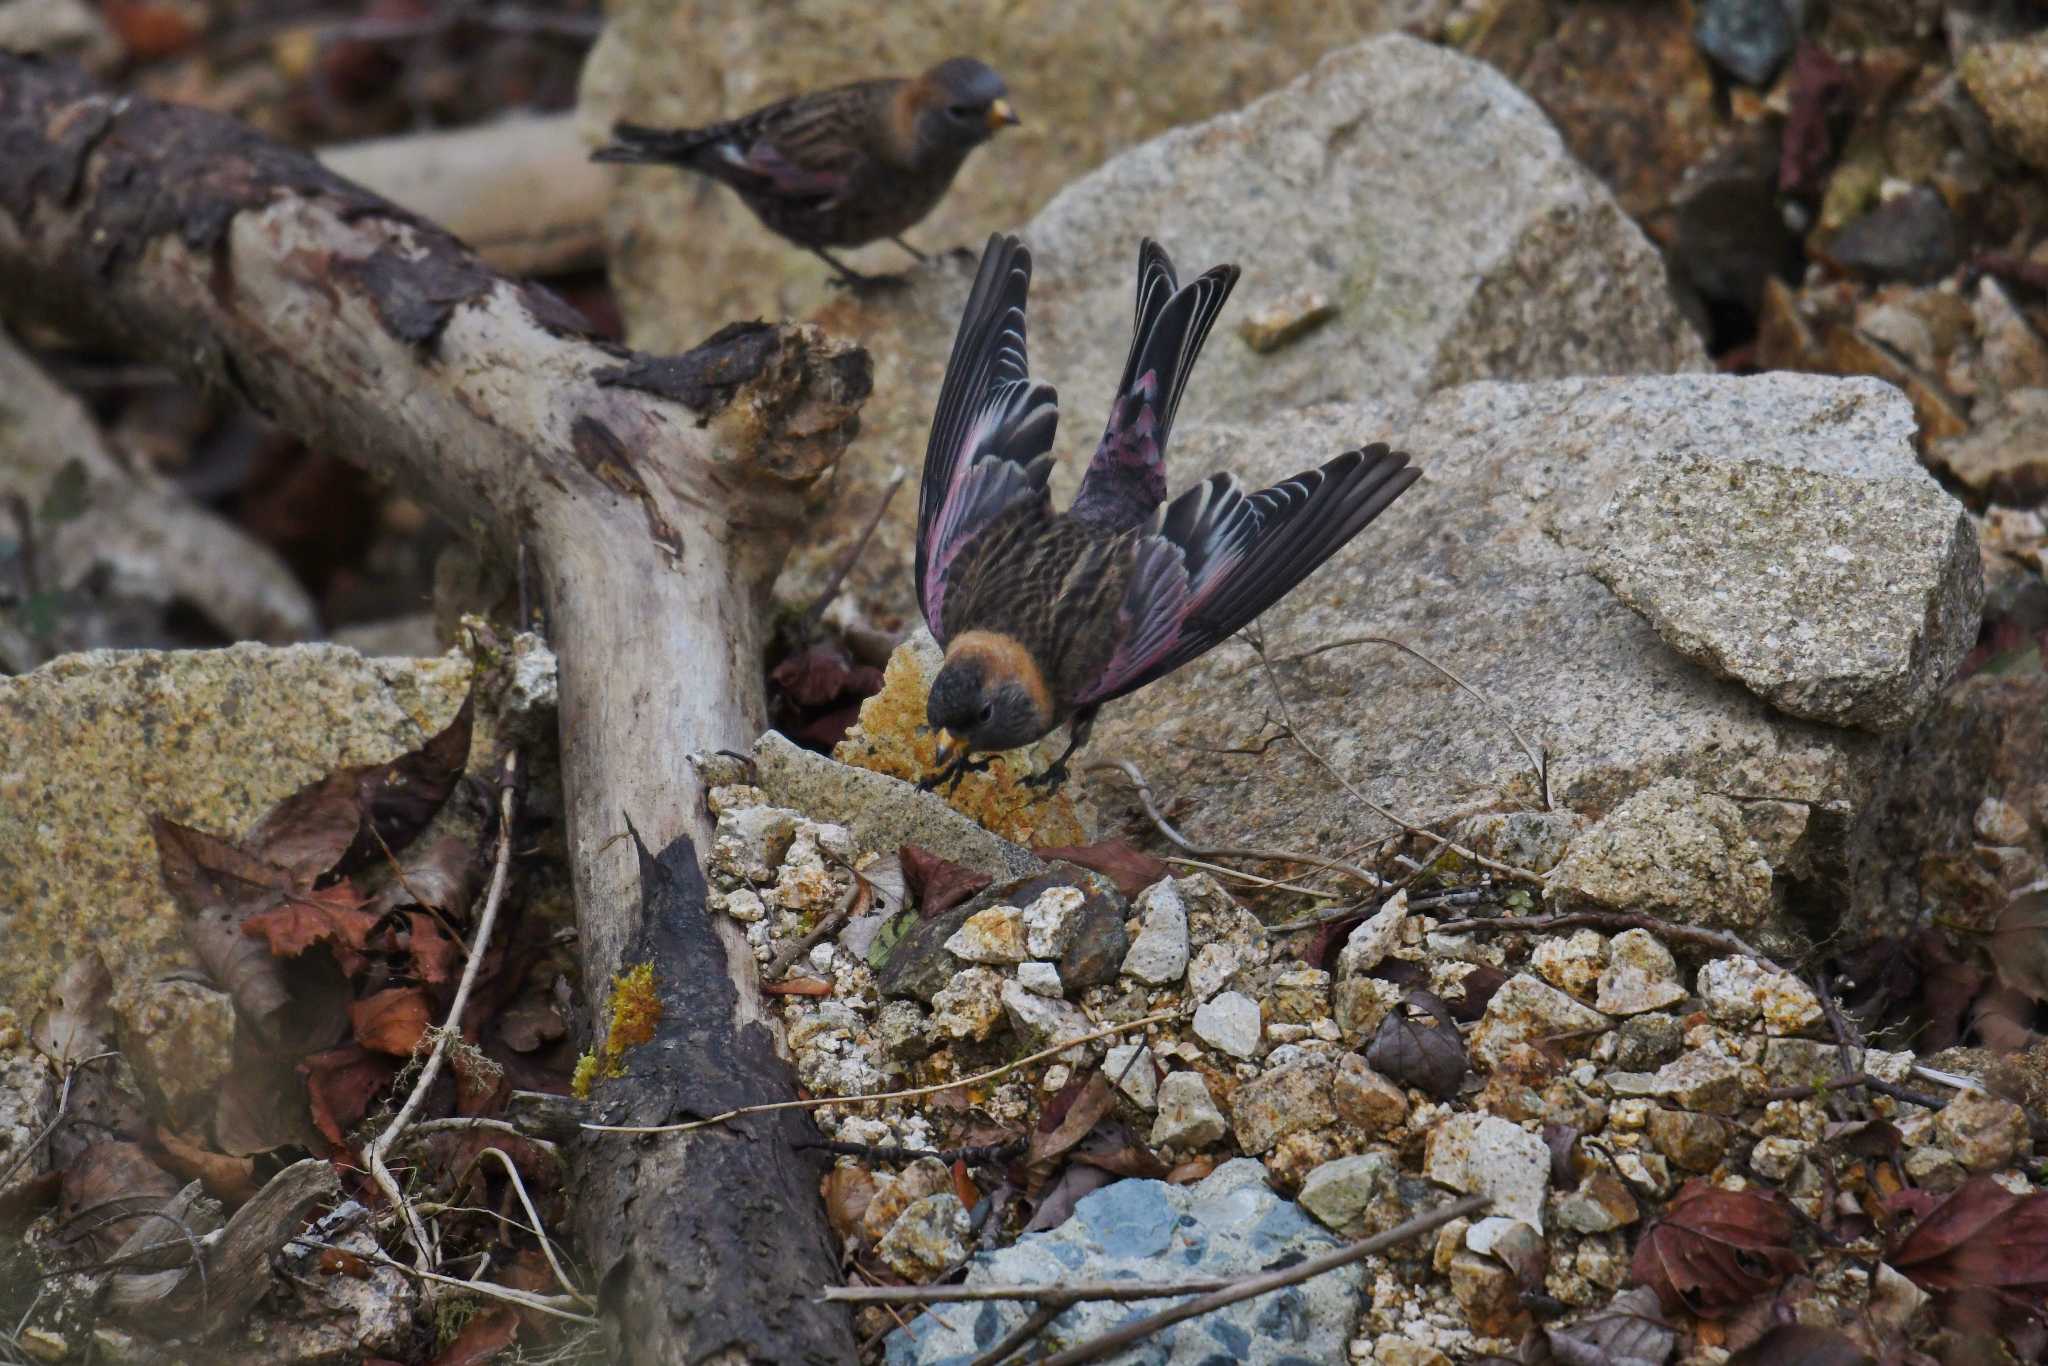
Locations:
{"points": [[107, 1191], [847, 1192], [1056, 1203], [1130, 868], [392, 1021], [262, 1103], [1981, 1240], [348, 819], [1066, 1120], [1630, 1331], [1716, 1250], [798, 986], [1414, 1054], [2019, 945], [230, 1179], [78, 1022], [1799, 1344], [481, 1339], [340, 1085], [938, 884]]}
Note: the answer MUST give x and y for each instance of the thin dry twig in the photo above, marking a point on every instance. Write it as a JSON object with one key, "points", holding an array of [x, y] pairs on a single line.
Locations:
{"points": [[1537, 757], [830, 925], [1857, 1079], [375, 1154], [1023, 1333], [56, 1116], [818, 1102], [816, 611], [557, 1305], [1254, 880], [1165, 827], [1607, 920], [547, 1244]]}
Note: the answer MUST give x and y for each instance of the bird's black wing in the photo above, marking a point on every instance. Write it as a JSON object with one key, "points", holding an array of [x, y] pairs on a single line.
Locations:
{"points": [[1126, 479], [1217, 558], [993, 429], [804, 148]]}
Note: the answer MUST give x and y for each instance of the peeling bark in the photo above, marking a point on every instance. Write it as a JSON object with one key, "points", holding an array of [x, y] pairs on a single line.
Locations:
{"points": [[658, 499]]}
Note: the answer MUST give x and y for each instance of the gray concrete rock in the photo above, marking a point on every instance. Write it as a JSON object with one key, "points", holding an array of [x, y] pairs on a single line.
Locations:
{"points": [[880, 811], [1433, 202], [1226, 1225], [1487, 564], [1846, 600]]}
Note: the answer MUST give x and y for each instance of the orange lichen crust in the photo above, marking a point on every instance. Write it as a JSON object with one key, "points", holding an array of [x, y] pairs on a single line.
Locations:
{"points": [[635, 1011], [890, 738]]}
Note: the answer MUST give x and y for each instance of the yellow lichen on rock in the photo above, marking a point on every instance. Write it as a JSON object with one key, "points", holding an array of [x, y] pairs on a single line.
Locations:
{"points": [[890, 738]]}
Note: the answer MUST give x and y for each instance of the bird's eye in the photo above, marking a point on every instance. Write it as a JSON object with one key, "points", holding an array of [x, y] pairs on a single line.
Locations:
{"points": [[988, 711], [963, 112]]}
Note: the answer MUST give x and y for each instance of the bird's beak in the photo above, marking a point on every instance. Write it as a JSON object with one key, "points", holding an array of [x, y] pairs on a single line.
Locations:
{"points": [[1000, 115]]}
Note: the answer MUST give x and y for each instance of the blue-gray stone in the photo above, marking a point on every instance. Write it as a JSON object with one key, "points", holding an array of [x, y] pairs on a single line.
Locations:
{"points": [[1230, 1224], [1749, 38]]}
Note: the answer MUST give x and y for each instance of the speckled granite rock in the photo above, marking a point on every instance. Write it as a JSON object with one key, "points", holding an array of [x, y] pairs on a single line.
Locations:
{"points": [[91, 744], [1849, 601], [1228, 1224]]}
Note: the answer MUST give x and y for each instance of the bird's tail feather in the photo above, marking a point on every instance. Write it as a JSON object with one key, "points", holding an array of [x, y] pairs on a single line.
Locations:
{"points": [[634, 143]]}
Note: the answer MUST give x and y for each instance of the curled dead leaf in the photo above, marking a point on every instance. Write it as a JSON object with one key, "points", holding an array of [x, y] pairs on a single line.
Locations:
{"points": [[1716, 1250], [1415, 1054], [938, 884], [847, 1192], [1981, 1245], [1130, 868], [1630, 1331], [78, 1022], [392, 1021]]}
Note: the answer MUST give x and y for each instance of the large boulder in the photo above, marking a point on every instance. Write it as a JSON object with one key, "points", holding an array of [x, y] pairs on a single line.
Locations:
{"points": [[91, 745], [1414, 191], [689, 258], [1488, 566]]}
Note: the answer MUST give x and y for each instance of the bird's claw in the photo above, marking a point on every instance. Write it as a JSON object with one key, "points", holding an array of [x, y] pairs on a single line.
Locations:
{"points": [[948, 777], [1052, 780]]}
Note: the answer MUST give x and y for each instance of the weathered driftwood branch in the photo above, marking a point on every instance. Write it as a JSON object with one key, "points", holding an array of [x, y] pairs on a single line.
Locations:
{"points": [[657, 497], [158, 542]]}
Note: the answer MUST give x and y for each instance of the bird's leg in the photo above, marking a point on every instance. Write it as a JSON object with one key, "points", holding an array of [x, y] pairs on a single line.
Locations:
{"points": [[953, 770], [1055, 777], [849, 278], [898, 240]]}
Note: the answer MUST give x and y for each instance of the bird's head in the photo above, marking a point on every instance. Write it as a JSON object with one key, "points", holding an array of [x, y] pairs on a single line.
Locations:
{"points": [[990, 693], [960, 103]]}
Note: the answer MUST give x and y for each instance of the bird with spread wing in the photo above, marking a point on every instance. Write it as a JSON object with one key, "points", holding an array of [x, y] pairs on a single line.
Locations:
{"points": [[1044, 616]]}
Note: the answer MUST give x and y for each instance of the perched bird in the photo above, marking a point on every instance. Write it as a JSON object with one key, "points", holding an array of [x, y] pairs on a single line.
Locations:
{"points": [[1047, 615], [841, 167]]}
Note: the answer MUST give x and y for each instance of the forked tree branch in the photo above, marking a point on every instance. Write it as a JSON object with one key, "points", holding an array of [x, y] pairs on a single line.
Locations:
{"points": [[658, 496]]}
